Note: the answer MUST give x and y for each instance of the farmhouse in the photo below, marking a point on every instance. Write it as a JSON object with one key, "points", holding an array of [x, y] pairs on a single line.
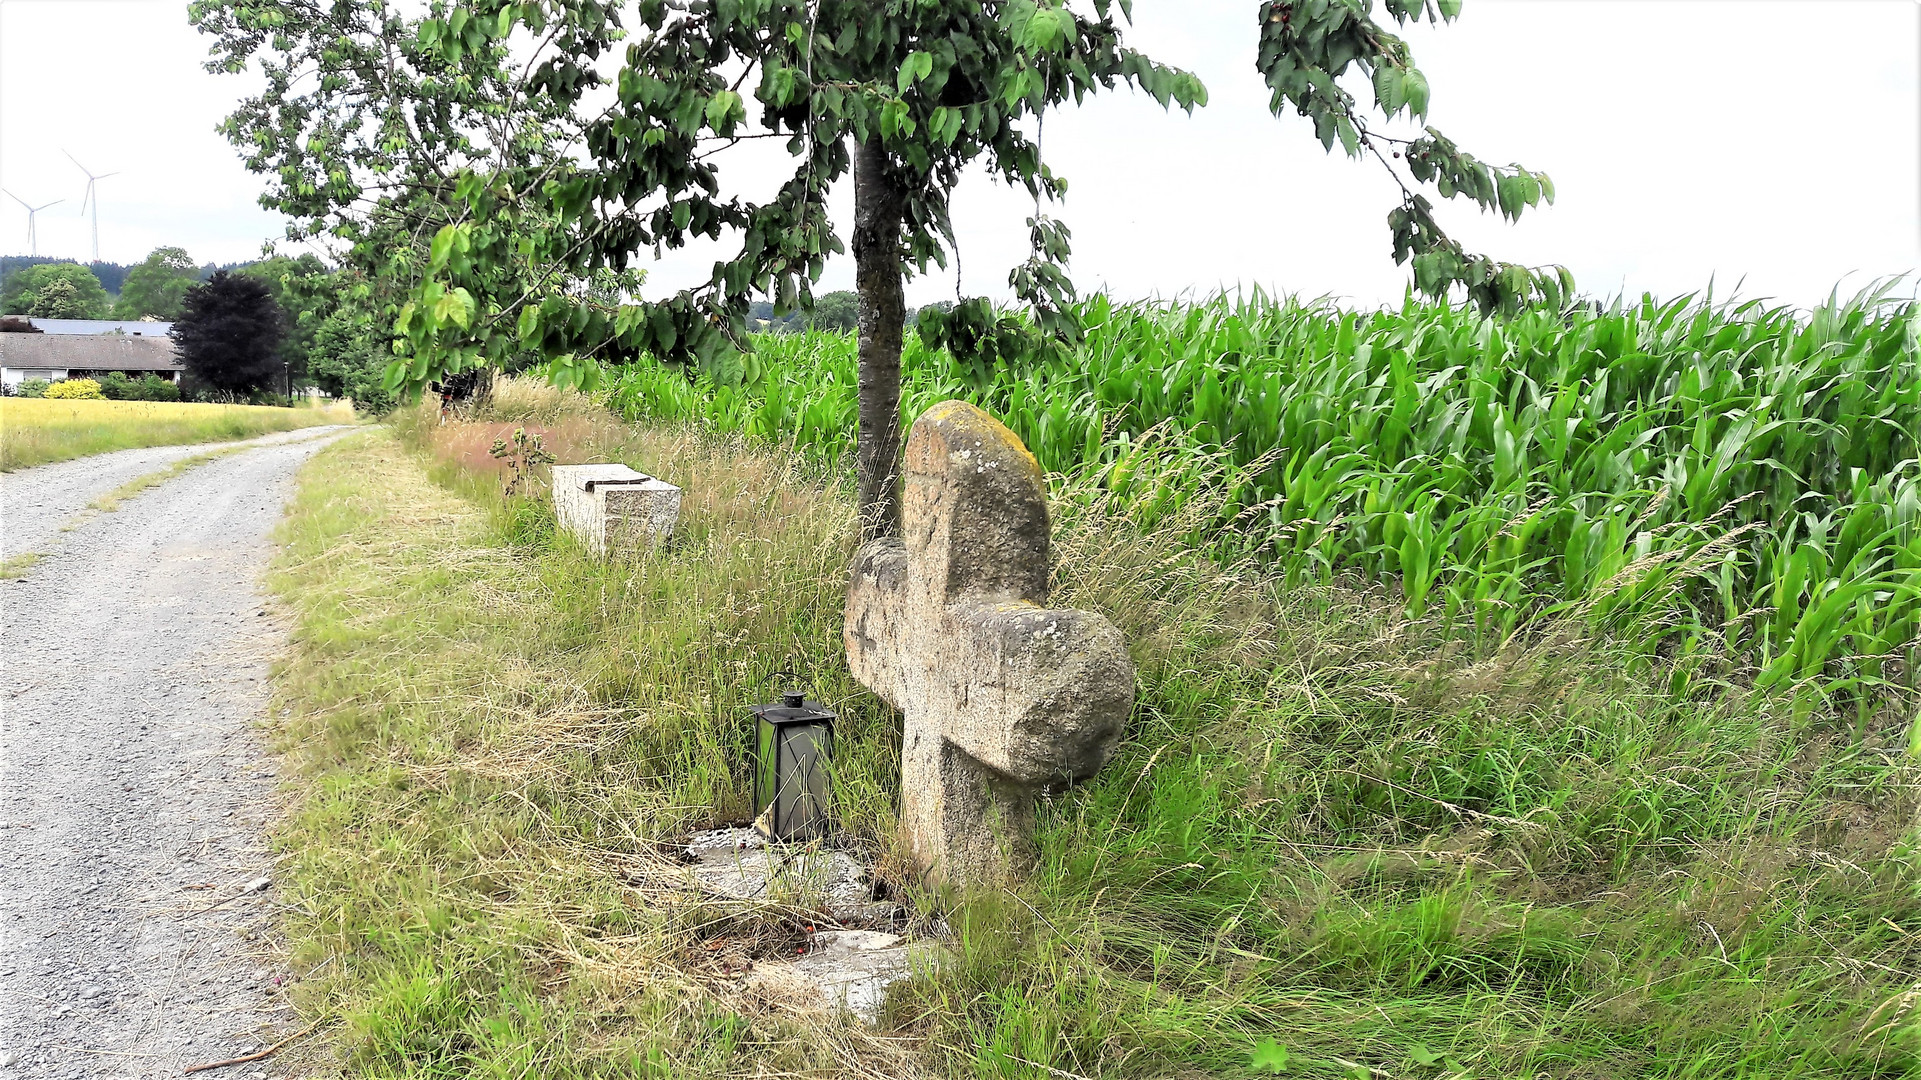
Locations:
{"points": [[55, 356], [130, 327]]}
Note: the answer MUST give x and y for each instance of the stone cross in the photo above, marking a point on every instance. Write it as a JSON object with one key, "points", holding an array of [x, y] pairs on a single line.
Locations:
{"points": [[612, 508], [1003, 697]]}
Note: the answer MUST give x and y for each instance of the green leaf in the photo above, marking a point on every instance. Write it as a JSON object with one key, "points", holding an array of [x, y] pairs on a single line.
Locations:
{"points": [[1390, 90], [916, 67], [456, 307], [895, 121], [781, 83], [1350, 139], [1050, 29], [1414, 89], [944, 124], [1512, 196], [1450, 9], [1530, 189], [1015, 16], [1421, 1055], [1016, 87], [441, 248], [1268, 1056], [664, 334], [1550, 288], [722, 110]]}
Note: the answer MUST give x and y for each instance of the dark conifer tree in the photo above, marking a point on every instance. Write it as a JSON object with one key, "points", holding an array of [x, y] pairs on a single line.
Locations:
{"points": [[229, 334]]}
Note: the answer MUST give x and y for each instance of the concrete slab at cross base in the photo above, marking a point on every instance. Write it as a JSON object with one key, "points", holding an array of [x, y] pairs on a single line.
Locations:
{"points": [[741, 864], [852, 969], [1003, 696], [612, 509], [846, 969]]}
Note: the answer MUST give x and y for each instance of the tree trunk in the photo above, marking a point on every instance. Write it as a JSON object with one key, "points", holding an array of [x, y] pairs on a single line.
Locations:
{"points": [[877, 279]]}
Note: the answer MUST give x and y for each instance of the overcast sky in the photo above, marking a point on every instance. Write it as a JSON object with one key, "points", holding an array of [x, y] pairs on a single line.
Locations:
{"points": [[1772, 142]]}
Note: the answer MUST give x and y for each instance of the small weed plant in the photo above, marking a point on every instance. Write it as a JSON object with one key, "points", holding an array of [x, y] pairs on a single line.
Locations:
{"points": [[523, 453]]}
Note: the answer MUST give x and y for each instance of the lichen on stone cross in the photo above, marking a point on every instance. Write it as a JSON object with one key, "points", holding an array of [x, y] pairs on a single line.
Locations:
{"points": [[1002, 696]]}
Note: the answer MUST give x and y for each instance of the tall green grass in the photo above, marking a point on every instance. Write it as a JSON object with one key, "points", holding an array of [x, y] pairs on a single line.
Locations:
{"points": [[1730, 480], [1325, 830]]}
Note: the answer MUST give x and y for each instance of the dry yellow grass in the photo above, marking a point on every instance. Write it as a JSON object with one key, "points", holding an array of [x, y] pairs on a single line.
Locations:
{"points": [[36, 431]]}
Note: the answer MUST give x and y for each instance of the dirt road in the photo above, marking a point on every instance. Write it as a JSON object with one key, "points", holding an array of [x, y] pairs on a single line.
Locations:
{"points": [[134, 784]]}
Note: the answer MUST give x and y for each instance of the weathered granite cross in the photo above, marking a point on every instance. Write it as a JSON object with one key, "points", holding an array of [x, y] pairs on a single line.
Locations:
{"points": [[1003, 697]]}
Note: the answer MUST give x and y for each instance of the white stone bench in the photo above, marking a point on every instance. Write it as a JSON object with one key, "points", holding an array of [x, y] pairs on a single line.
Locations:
{"points": [[613, 509]]}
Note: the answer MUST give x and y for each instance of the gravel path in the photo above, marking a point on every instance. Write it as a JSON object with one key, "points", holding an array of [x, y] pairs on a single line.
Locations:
{"points": [[134, 785], [35, 503]]}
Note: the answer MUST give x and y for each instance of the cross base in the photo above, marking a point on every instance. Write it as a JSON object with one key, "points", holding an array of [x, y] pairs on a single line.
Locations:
{"points": [[972, 824]]}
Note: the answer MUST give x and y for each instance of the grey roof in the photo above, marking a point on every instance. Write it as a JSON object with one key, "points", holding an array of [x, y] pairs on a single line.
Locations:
{"points": [[88, 352], [134, 328]]}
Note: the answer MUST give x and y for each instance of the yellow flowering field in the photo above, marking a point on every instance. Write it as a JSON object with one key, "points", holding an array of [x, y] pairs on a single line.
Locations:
{"points": [[35, 431]]}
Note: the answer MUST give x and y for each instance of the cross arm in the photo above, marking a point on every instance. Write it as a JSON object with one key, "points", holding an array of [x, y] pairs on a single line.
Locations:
{"points": [[1050, 689], [877, 623]]}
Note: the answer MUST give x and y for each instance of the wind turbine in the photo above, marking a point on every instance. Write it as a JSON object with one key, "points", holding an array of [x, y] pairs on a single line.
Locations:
{"points": [[92, 197], [33, 236]]}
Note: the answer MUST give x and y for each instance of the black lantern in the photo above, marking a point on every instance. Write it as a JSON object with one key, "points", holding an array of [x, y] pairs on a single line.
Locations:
{"points": [[793, 793]]}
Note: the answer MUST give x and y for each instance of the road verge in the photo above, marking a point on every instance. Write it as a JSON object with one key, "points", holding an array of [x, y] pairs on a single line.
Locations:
{"points": [[1327, 839]]}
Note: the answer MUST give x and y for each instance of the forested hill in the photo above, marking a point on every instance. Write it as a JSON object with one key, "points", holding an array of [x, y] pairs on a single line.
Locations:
{"points": [[111, 275]]}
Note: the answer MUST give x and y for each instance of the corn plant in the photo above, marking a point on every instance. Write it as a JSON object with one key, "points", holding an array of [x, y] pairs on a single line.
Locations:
{"points": [[1691, 473]]}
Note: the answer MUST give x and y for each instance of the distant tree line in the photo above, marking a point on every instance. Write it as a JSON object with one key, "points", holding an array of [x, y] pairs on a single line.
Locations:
{"points": [[262, 329], [109, 274], [255, 330], [54, 291]]}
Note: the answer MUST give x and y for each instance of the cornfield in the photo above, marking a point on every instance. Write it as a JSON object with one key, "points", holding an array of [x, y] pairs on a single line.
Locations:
{"points": [[1729, 480]]}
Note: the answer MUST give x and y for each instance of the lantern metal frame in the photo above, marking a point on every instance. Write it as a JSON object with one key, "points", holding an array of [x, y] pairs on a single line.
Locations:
{"points": [[793, 769]]}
